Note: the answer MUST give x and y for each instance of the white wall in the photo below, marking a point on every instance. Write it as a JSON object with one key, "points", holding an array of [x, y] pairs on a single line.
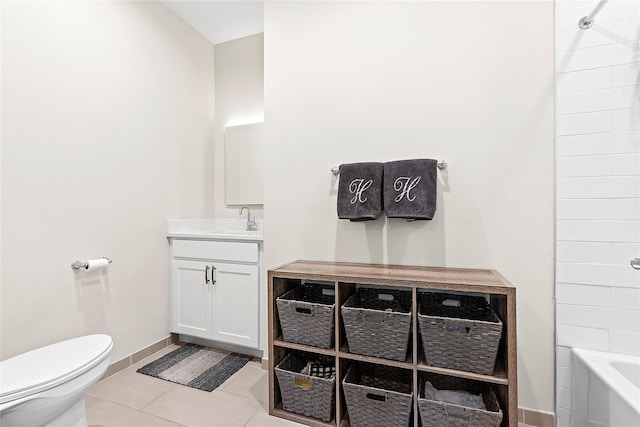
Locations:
{"points": [[466, 82], [598, 184], [107, 111], [239, 99]]}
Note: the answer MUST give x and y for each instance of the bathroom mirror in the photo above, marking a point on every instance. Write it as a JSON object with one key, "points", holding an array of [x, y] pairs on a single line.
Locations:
{"points": [[243, 159]]}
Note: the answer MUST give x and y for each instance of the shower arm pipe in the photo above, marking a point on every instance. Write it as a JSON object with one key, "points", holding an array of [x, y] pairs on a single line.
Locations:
{"points": [[587, 21]]}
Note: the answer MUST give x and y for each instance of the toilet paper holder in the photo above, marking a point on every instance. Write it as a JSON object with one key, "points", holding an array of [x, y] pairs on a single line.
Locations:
{"points": [[84, 264]]}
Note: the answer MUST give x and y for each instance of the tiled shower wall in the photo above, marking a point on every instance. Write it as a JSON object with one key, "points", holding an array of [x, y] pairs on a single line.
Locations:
{"points": [[598, 184]]}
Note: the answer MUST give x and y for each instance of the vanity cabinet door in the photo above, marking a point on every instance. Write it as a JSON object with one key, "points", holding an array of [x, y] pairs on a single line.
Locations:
{"points": [[192, 298], [235, 304]]}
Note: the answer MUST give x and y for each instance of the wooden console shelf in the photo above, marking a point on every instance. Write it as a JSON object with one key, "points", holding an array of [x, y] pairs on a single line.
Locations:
{"points": [[345, 276]]}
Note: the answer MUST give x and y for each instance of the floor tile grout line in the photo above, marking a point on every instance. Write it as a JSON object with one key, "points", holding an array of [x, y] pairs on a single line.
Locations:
{"points": [[158, 397], [252, 415], [132, 407], [136, 410], [259, 405], [252, 369], [159, 417]]}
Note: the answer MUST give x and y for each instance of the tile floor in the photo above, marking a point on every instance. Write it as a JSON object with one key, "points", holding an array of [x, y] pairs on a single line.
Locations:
{"points": [[128, 398]]}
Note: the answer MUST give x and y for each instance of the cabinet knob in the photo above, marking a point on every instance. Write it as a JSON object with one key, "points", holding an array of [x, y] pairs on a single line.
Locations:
{"points": [[213, 280], [206, 272]]}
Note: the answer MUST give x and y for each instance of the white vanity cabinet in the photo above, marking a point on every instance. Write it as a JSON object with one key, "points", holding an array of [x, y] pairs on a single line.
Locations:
{"points": [[215, 290]]}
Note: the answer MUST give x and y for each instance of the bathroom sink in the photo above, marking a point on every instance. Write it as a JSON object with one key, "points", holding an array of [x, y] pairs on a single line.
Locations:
{"points": [[232, 231], [223, 228], [231, 226]]}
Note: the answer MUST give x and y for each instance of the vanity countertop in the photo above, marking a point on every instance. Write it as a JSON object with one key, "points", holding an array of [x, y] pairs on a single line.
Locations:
{"points": [[214, 229]]}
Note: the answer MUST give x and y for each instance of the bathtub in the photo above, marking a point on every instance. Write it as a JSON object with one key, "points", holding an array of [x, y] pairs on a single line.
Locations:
{"points": [[605, 389]]}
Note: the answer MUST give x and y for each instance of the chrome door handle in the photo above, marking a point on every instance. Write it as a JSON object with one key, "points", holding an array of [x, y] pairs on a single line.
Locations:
{"points": [[635, 263], [206, 278], [213, 270]]}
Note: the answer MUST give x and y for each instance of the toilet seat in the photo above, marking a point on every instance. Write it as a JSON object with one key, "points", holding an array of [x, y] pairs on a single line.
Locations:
{"points": [[50, 366]]}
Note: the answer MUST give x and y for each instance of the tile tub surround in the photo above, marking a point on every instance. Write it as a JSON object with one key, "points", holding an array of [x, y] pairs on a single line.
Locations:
{"points": [[598, 185], [130, 398]]}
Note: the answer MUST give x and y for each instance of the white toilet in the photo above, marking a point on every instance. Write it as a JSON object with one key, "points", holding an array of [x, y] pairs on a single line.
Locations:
{"points": [[46, 386]]}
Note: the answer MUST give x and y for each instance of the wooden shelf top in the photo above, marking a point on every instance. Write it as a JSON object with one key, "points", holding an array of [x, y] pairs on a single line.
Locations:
{"points": [[280, 342], [428, 277], [498, 377]]}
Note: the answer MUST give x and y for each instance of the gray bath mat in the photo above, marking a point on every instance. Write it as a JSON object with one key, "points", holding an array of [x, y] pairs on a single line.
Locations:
{"points": [[195, 366]]}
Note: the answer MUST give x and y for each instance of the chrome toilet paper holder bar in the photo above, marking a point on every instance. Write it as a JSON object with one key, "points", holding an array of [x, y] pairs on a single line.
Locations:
{"points": [[84, 264]]}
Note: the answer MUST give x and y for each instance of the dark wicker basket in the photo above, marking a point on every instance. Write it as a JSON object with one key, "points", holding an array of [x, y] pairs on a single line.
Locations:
{"points": [[435, 413], [378, 395], [377, 322], [302, 394], [307, 314], [464, 337]]}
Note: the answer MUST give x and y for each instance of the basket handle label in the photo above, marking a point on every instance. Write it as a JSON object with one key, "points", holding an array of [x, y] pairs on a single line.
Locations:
{"points": [[451, 303], [303, 310], [377, 397], [453, 411], [302, 383], [374, 317], [461, 329], [385, 297]]}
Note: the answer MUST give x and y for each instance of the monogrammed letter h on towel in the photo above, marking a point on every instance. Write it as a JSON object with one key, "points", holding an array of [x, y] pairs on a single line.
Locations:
{"points": [[410, 189], [360, 191]]}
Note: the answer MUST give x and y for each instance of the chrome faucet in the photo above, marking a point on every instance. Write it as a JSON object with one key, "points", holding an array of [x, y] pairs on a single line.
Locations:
{"points": [[251, 223]]}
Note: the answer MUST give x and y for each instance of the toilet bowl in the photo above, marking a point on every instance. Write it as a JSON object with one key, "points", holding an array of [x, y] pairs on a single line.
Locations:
{"points": [[46, 386]]}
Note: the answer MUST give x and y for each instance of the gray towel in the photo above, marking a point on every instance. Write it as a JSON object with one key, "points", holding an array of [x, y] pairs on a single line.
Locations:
{"points": [[410, 189], [360, 191]]}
